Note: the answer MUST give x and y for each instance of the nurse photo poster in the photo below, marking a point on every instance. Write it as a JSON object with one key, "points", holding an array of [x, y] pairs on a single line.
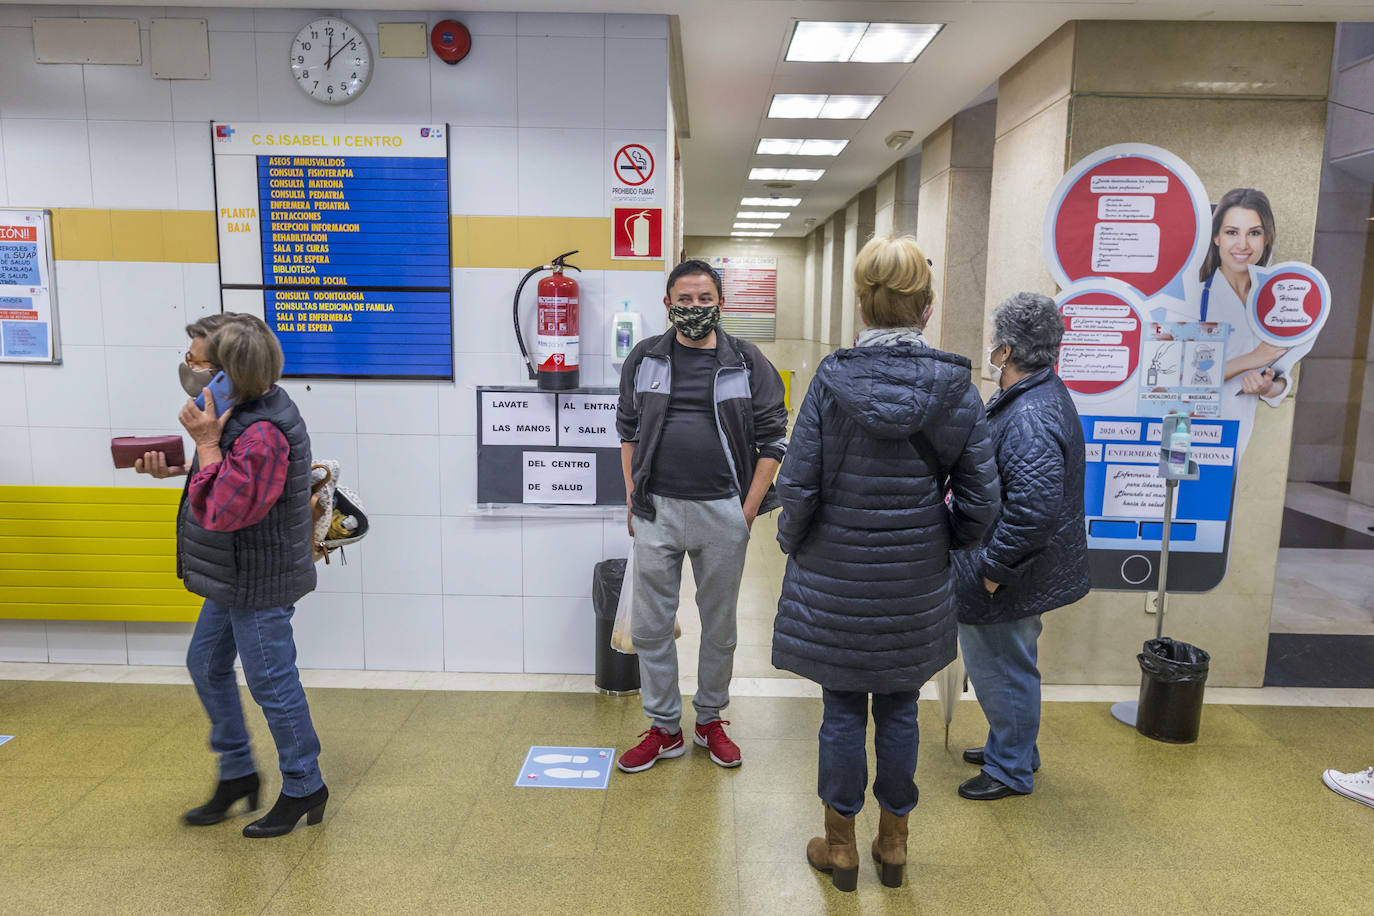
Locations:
{"points": [[1171, 304]]}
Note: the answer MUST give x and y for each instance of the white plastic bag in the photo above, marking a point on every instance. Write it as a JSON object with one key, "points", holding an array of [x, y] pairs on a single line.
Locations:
{"points": [[621, 639], [620, 634]]}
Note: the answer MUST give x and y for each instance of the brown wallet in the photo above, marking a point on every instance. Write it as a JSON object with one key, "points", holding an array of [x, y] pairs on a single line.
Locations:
{"points": [[127, 449]]}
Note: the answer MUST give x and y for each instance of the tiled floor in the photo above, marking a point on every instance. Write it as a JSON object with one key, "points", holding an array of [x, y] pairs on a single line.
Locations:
{"points": [[423, 816], [1324, 591]]}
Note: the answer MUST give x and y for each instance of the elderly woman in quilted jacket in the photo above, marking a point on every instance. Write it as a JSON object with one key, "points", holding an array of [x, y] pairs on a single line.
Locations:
{"points": [[886, 429], [1035, 558]]}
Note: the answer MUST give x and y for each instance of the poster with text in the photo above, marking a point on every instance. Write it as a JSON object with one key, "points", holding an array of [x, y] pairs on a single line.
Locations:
{"points": [[28, 296]]}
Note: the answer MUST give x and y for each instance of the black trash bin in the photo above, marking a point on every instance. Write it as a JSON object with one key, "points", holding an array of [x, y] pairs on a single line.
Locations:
{"points": [[617, 674], [1172, 677]]}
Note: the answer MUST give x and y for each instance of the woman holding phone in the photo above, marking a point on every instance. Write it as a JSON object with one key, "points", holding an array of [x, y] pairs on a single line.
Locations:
{"points": [[243, 544]]}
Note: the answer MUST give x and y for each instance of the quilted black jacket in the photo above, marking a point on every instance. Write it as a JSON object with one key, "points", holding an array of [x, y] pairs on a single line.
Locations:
{"points": [[1038, 550], [866, 597]]}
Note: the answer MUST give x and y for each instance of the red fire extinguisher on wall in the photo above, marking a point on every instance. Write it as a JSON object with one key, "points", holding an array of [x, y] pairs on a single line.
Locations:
{"points": [[555, 361]]}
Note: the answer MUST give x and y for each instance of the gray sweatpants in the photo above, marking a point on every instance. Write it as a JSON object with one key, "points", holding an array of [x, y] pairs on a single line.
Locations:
{"points": [[714, 535]]}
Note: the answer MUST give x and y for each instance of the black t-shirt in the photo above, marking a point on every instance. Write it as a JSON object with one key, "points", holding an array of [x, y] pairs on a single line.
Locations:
{"points": [[690, 461]]}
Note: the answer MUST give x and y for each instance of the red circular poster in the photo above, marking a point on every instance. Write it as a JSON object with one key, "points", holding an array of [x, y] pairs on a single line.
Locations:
{"points": [[1288, 304], [1101, 347]]}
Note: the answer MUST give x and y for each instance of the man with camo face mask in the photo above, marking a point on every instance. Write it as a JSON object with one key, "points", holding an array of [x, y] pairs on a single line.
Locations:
{"points": [[703, 431]]}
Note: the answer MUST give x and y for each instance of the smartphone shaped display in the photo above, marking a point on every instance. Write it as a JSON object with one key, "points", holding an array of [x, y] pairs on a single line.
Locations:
{"points": [[1124, 503], [223, 391]]}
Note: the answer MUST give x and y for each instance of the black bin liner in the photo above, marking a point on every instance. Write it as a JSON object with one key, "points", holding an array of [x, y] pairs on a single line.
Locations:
{"points": [[1173, 676], [616, 672]]}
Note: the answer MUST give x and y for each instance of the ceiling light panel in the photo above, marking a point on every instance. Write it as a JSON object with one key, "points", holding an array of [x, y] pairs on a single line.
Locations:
{"points": [[787, 105], [753, 235], [773, 146], [860, 42], [769, 201], [785, 174], [762, 214], [894, 42], [849, 107], [825, 41], [758, 225]]}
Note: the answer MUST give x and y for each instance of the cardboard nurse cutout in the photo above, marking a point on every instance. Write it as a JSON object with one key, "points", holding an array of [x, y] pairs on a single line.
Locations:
{"points": [[1156, 320]]}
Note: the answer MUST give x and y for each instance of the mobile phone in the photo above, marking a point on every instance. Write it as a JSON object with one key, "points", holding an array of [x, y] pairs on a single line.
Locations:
{"points": [[223, 391], [1124, 499]]}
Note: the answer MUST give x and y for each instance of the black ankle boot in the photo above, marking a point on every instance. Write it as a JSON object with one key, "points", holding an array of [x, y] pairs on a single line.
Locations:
{"points": [[226, 793], [286, 813]]}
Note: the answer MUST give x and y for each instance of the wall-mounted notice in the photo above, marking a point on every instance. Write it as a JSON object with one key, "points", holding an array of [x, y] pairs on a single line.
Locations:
{"points": [[548, 448], [749, 286], [345, 234], [28, 296]]}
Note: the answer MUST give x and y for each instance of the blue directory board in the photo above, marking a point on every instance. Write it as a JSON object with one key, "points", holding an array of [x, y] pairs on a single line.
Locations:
{"points": [[350, 246]]}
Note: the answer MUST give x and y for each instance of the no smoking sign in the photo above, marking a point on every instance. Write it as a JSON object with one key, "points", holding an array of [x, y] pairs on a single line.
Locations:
{"points": [[634, 177], [634, 165]]}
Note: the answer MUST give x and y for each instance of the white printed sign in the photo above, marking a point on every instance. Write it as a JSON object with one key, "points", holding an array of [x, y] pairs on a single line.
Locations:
{"points": [[28, 300], [1288, 299], [567, 478], [1129, 184], [1077, 309], [1113, 208], [588, 420], [1134, 491], [1115, 429], [518, 418], [1094, 364], [1102, 324], [1094, 451], [1142, 454], [1201, 432], [1125, 248], [1092, 337]]}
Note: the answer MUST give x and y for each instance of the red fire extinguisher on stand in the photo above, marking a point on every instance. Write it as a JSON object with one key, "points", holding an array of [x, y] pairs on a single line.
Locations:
{"points": [[554, 364]]}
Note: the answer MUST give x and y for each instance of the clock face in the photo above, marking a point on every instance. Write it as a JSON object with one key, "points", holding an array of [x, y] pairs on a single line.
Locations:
{"points": [[331, 61]]}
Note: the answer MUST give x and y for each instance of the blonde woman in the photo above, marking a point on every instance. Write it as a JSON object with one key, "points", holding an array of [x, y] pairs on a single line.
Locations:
{"points": [[886, 429], [243, 544]]}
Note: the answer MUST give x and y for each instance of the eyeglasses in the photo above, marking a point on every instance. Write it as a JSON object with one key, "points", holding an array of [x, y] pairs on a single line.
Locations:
{"points": [[198, 363]]}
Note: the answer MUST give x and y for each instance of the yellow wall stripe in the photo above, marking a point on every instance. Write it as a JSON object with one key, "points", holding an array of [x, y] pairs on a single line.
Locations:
{"points": [[188, 237], [91, 553]]}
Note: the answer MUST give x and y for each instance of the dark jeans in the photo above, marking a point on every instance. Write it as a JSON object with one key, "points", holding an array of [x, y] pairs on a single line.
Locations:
{"points": [[843, 772], [1001, 660], [263, 641]]}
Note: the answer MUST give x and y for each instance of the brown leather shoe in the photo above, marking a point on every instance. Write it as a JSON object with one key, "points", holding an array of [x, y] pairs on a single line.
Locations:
{"points": [[889, 847], [836, 853]]}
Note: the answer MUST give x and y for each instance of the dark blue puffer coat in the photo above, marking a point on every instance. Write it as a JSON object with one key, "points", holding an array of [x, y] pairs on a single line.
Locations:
{"points": [[1037, 551], [866, 598]]}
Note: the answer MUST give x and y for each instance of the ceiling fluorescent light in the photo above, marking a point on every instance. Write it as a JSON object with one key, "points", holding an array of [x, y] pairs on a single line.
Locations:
{"points": [[860, 42], [753, 235], [773, 146], [762, 214], [825, 41], [769, 201], [894, 42], [758, 225], [849, 107], [785, 174], [796, 106]]}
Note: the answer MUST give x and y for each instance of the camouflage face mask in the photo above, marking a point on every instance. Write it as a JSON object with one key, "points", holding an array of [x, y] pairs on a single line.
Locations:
{"points": [[694, 321]]}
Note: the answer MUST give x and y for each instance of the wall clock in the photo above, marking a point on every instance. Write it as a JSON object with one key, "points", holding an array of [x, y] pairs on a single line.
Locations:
{"points": [[331, 60]]}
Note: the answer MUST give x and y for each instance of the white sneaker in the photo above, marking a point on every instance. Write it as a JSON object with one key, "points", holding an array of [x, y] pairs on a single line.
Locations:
{"points": [[1354, 786]]}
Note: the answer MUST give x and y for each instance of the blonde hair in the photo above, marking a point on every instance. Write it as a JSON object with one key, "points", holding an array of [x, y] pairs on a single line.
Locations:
{"points": [[892, 280], [248, 352]]}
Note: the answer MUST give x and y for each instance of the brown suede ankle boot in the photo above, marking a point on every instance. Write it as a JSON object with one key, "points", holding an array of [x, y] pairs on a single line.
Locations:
{"points": [[889, 847], [836, 852]]}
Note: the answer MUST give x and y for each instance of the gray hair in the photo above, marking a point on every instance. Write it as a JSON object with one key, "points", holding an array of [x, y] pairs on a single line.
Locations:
{"points": [[1029, 323]]}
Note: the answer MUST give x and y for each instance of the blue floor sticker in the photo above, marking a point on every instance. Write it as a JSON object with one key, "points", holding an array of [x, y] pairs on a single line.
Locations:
{"points": [[4, 738], [566, 768]]}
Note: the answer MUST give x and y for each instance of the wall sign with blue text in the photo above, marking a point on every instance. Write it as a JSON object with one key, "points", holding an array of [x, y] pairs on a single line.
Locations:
{"points": [[338, 236], [28, 294]]}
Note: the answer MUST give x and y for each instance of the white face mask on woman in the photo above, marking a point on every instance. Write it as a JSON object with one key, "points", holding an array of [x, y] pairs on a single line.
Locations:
{"points": [[995, 369]]}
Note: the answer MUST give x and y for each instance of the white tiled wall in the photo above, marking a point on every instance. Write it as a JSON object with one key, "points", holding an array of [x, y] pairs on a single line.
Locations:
{"points": [[533, 110]]}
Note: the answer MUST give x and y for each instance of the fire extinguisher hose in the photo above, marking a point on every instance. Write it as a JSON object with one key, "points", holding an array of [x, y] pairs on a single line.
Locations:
{"points": [[530, 366]]}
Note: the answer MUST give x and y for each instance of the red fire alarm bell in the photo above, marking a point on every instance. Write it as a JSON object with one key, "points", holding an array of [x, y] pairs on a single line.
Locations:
{"points": [[451, 40]]}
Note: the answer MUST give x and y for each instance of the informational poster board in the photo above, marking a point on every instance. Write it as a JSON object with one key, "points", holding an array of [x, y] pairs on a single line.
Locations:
{"points": [[28, 293], [341, 237], [548, 448], [749, 286], [1157, 321]]}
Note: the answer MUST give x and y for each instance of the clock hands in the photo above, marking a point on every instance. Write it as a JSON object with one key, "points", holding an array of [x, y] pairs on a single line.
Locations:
{"points": [[340, 51], [328, 52]]}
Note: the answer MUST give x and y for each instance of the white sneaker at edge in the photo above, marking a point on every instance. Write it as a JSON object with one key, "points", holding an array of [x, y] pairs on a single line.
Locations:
{"points": [[1354, 786]]}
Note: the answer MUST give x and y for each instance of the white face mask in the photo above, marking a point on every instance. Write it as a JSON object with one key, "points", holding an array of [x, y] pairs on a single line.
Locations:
{"points": [[995, 369]]}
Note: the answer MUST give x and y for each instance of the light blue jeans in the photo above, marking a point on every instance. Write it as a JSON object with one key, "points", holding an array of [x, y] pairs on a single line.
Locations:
{"points": [[263, 641], [1001, 661]]}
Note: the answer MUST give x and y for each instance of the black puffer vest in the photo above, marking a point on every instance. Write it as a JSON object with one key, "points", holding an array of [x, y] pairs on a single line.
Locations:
{"points": [[267, 564]]}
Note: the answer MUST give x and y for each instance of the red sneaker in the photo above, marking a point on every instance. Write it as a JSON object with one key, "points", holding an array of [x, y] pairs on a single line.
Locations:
{"points": [[712, 737], [657, 743]]}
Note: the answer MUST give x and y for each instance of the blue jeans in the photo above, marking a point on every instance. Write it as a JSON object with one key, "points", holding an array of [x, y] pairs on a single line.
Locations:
{"points": [[1001, 662], [843, 771], [262, 639]]}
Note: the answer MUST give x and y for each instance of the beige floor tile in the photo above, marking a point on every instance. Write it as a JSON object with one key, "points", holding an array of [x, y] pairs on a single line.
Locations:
{"points": [[523, 823], [793, 887], [74, 751], [30, 704], [700, 830], [327, 881], [29, 804], [777, 765], [398, 819]]}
